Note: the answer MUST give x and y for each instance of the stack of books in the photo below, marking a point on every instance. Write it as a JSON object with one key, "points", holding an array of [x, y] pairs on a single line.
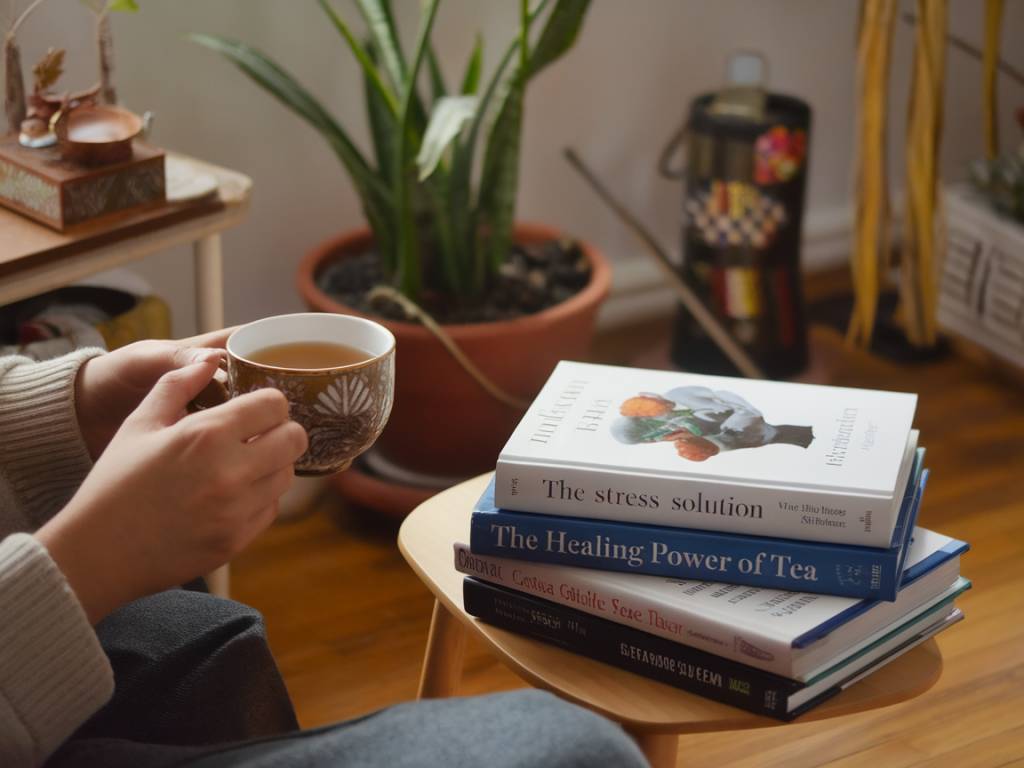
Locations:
{"points": [[754, 542]]}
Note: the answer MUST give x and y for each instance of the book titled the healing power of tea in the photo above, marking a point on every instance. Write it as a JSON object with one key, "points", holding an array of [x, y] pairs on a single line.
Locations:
{"points": [[763, 458]]}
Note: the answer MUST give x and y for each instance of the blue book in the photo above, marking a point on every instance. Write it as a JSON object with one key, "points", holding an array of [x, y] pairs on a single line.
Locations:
{"points": [[760, 561]]}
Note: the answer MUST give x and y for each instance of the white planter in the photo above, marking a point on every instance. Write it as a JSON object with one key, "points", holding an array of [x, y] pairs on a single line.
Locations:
{"points": [[981, 293]]}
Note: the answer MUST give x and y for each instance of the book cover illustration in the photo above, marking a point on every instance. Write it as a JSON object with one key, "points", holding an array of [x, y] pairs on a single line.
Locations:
{"points": [[701, 423]]}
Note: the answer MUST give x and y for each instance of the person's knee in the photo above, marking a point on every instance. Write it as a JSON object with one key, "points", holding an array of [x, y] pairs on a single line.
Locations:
{"points": [[176, 651], [158, 623], [573, 737]]}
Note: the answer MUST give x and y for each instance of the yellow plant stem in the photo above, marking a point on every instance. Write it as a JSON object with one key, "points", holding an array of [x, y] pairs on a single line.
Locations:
{"points": [[871, 232], [990, 60], [918, 277]]}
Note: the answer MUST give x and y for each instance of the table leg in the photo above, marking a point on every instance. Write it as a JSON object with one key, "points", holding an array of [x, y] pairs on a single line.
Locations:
{"points": [[210, 317], [659, 748], [209, 284], [442, 663]]}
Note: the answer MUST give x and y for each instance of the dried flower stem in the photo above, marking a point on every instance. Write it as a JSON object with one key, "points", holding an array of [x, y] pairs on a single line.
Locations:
{"points": [[14, 85], [15, 106], [105, 44]]}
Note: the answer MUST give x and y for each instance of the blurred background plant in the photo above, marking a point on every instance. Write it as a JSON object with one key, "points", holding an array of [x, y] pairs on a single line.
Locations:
{"points": [[439, 198]]}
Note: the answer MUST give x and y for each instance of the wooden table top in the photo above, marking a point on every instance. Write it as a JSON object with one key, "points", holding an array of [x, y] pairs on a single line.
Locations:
{"points": [[426, 539], [26, 245]]}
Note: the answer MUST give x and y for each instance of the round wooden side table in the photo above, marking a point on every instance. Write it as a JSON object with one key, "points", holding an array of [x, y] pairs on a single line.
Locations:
{"points": [[655, 714]]}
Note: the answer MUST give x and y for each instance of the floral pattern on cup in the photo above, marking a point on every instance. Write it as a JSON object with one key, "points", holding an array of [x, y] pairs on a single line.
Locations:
{"points": [[342, 410]]}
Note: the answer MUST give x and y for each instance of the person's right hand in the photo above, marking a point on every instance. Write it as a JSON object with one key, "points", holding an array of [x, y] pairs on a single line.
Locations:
{"points": [[174, 496]]}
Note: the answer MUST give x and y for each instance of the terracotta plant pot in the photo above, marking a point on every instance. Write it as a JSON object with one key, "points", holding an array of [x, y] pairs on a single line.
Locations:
{"points": [[444, 424]]}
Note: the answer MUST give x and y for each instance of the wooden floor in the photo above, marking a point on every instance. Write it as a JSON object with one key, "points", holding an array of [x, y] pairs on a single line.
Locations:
{"points": [[348, 620]]}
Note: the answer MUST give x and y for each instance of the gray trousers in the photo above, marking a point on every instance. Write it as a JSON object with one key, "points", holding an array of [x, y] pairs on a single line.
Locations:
{"points": [[196, 686]]}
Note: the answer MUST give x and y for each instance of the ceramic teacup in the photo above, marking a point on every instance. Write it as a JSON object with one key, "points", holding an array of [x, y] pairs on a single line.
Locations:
{"points": [[344, 408]]}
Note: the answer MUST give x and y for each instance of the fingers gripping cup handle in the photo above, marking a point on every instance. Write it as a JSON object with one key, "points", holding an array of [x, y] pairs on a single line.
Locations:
{"points": [[217, 392]]}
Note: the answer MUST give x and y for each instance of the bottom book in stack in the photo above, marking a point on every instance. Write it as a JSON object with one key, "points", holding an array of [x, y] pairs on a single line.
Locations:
{"points": [[773, 652]]}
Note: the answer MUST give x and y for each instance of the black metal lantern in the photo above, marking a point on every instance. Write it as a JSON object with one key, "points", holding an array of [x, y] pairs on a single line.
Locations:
{"points": [[744, 182]]}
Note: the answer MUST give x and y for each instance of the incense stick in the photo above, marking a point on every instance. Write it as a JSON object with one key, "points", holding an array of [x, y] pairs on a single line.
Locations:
{"points": [[718, 333]]}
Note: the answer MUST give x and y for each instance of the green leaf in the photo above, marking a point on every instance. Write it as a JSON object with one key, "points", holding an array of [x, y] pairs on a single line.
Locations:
{"points": [[524, 34], [438, 89], [471, 79], [558, 35], [124, 6], [449, 115], [381, 23], [462, 163], [453, 273], [270, 76], [383, 124], [369, 68], [499, 179], [407, 256]]}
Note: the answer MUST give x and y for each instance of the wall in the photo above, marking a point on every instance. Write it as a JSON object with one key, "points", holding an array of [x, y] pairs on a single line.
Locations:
{"points": [[616, 98]]}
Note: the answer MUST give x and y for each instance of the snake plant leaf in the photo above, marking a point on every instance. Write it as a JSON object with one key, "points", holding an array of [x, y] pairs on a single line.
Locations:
{"points": [[464, 219], [446, 121], [438, 89], [448, 252], [499, 178], [383, 124], [363, 57], [286, 89], [558, 35], [407, 253], [381, 23], [471, 79], [103, 6]]}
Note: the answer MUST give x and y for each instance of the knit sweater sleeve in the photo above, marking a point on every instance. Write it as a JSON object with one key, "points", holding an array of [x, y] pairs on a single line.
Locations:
{"points": [[43, 458], [53, 671]]}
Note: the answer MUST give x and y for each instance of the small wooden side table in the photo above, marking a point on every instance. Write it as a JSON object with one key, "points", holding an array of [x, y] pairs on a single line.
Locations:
{"points": [[654, 713], [35, 259]]}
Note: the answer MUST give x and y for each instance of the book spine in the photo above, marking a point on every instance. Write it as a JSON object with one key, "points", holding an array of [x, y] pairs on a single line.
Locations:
{"points": [[677, 665], [788, 513], [623, 605], [688, 554]]}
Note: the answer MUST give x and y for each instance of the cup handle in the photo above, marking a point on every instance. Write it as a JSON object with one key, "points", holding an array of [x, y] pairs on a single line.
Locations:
{"points": [[215, 393]]}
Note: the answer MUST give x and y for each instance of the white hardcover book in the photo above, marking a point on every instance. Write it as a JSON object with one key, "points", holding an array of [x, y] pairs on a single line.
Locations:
{"points": [[764, 458], [794, 634]]}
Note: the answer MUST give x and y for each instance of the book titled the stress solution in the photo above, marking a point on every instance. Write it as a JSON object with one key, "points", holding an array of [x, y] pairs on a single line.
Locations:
{"points": [[761, 458]]}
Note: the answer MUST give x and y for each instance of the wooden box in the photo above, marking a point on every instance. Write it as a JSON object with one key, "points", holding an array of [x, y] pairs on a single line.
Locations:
{"points": [[60, 194]]}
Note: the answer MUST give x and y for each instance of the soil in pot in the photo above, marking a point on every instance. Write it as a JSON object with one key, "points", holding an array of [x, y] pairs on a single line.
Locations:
{"points": [[535, 277], [446, 426]]}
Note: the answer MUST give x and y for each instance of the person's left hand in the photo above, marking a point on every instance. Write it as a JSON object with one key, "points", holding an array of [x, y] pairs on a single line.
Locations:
{"points": [[111, 386]]}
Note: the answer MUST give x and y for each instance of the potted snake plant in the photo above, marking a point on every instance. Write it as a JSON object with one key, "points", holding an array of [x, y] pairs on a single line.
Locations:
{"points": [[482, 306]]}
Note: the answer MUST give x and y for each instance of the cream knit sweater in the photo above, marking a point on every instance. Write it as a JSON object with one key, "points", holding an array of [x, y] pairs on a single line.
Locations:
{"points": [[53, 672]]}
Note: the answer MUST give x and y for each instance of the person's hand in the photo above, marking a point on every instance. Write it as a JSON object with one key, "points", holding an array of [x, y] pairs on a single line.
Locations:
{"points": [[111, 386], [174, 495]]}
